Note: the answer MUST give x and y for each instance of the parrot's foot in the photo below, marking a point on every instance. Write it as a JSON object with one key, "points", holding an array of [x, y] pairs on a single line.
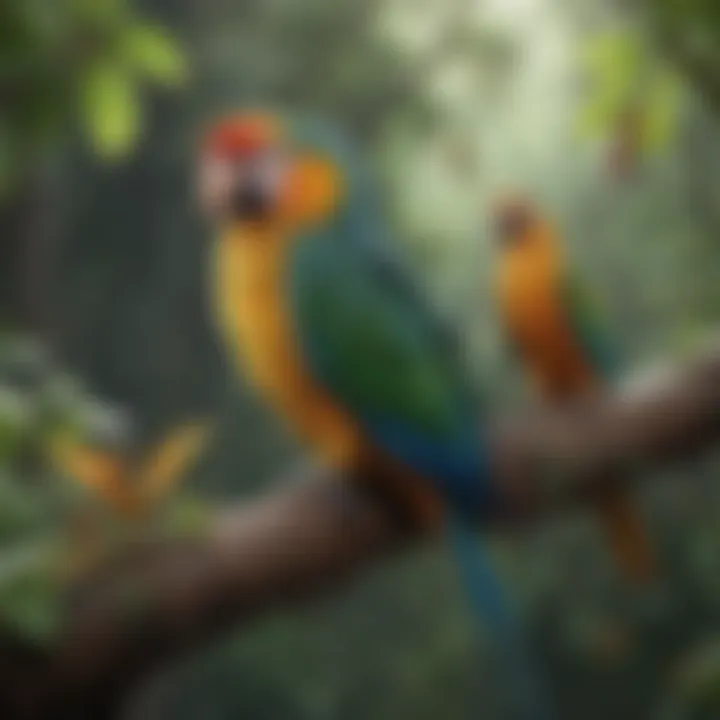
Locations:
{"points": [[410, 498]]}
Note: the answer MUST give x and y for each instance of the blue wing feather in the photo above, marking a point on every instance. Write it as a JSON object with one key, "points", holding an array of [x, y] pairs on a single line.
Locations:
{"points": [[369, 338]]}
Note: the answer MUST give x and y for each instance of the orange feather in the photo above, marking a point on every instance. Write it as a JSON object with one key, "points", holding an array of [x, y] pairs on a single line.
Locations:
{"points": [[254, 320], [529, 291]]}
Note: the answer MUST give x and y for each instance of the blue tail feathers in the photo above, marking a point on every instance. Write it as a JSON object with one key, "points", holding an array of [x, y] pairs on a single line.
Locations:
{"points": [[526, 695]]}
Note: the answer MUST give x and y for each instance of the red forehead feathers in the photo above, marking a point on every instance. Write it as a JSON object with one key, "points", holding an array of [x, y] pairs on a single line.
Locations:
{"points": [[240, 136]]}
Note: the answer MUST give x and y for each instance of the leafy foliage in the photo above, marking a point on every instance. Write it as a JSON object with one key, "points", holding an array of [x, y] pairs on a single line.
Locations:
{"points": [[633, 95], [76, 59], [453, 111]]}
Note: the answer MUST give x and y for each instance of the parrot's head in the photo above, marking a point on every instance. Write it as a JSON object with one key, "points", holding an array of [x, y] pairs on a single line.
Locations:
{"points": [[263, 170], [514, 222]]}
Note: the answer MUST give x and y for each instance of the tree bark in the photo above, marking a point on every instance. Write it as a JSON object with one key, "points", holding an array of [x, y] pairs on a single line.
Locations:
{"points": [[27, 234], [145, 610]]}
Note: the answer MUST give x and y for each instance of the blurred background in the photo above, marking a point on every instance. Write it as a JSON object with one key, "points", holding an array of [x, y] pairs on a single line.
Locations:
{"points": [[605, 112]]}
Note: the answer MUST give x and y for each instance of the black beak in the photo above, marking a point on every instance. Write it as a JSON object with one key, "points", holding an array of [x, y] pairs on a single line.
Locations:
{"points": [[251, 201], [510, 227]]}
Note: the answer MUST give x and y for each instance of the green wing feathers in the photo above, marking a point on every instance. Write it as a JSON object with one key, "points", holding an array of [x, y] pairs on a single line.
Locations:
{"points": [[367, 345], [590, 327]]}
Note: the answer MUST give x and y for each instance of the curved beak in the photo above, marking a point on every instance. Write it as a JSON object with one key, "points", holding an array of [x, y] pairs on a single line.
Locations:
{"points": [[511, 225], [247, 189], [251, 199]]}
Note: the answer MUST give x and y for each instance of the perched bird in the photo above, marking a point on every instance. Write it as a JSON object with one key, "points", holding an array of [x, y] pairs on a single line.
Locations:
{"points": [[556, 331], [316, 307]]}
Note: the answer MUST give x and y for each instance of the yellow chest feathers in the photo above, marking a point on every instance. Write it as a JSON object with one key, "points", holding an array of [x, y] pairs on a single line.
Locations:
{"points": [[257, 328], [251, 309]]}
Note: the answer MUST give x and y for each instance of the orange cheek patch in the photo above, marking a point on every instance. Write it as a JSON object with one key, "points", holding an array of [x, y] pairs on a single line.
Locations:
{"points": [[313, 191]]}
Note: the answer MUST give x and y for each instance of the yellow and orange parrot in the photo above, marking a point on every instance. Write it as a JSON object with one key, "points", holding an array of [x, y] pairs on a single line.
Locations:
{"points": [[314, 304], [559, 336]]}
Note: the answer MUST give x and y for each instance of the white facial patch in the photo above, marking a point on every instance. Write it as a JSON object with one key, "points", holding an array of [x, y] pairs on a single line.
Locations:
{"points": [[216, 180]]}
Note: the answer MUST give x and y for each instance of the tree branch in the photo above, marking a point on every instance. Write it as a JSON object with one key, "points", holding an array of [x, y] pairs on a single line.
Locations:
{"points": [[318, 529]]}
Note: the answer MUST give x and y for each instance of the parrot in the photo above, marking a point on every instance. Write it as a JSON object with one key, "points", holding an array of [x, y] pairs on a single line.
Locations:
{"points": [[316, 305], [553, 326]]}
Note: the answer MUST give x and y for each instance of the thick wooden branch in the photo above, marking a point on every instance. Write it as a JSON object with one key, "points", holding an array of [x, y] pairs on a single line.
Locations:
{"points": [[317, 529]]}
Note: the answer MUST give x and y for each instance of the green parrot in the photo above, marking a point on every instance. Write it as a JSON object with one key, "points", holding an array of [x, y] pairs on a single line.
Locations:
{"points": [[317, 308]]}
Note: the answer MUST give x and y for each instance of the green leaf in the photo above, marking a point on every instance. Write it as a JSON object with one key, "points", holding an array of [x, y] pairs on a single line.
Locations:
{"points": [[30, 599], [623, 74], [616, 53], [593, 120], [662, 114], [111, 109], [153, 53]]}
